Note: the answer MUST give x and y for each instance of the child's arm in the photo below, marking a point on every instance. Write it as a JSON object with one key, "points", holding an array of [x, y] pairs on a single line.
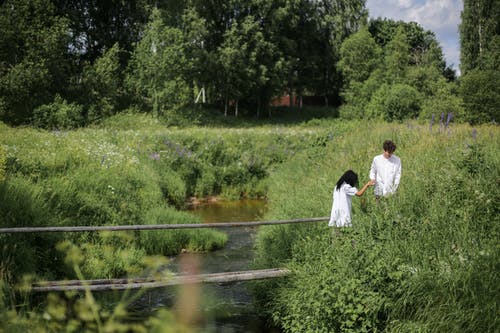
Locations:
{"points": [[363, 189]]}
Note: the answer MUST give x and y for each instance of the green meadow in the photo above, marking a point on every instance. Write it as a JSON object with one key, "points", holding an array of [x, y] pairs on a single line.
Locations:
{"points": [[424, 260]]}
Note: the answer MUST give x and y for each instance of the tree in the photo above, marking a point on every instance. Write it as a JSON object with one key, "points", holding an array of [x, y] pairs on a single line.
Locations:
{"points": [[103, 82], [95, 26], [394, 102], [480, 24], [240, 56], [157, 68], [423, 46], [479, 55], [34, 63], [359, 56], [481, 96], [336, 21], [397, 57]]}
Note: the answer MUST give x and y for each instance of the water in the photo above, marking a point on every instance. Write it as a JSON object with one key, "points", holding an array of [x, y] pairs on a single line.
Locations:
{"points": [[221, 307]]}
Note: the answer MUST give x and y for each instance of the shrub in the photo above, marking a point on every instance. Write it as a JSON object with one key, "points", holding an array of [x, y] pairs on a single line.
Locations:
{"points": [[394, 103], [443, 101], [348, 294], [58, 115]]}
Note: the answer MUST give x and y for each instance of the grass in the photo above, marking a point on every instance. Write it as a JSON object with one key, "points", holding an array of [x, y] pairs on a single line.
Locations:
{"points": [[436, 261], [131, 169], [424, 260]]}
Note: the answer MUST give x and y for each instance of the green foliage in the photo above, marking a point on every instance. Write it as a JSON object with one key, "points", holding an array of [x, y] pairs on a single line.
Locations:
{"points": [[157, 68], [33, 55], [443, 101], [330, 301], [103, 82], [479, 90], [479, 33], [358, 95], [169, 242], [424, 48], [402, 103], [241, 56], [3, 162], [424, 260], [395, 86], [479, 49], [359, 56], [394, 103], [427, 80], [58, 115], [22, 205], [397, 57]]}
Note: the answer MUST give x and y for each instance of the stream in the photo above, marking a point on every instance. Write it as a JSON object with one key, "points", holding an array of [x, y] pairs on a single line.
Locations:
{"points": [[217, 307]]}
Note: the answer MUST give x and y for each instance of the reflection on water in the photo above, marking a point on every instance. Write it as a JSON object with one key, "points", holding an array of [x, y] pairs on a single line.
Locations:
{"points": [[224, 307], [231, 211]]}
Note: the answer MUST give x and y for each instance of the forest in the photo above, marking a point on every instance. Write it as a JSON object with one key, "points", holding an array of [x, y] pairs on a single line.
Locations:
{"points": [[120, 112], [69, 64]]}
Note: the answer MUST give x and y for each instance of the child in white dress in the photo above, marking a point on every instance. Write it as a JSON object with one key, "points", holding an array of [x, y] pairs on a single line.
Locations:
{"points": [[344, 190]]}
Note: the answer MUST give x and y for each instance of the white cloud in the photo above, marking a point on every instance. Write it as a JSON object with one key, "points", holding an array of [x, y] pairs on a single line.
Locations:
{"points": [[440, 16], [403, 3]]}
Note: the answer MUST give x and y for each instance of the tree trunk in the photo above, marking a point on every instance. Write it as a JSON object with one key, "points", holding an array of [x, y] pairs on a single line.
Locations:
{"points": [[225, 105]]}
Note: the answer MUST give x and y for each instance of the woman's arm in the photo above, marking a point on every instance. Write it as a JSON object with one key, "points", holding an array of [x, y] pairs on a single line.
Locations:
{"points": [[363, 189]]}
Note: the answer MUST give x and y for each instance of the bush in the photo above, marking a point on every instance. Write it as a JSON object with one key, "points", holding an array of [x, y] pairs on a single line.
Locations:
{"points": [[358, 95], [442, 102], [394, 103], [58, 115], [349, 293]]}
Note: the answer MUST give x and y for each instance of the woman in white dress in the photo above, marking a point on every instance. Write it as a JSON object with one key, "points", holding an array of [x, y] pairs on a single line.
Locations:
{"points": [[342, 198]]}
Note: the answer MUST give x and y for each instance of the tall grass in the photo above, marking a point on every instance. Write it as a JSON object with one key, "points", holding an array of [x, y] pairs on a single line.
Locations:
{"points": [[402, 266], [132, 170], [423, 260], [129, 170]]}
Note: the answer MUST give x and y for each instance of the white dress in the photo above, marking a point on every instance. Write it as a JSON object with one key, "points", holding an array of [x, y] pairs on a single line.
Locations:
{"points": [[341, 208]]}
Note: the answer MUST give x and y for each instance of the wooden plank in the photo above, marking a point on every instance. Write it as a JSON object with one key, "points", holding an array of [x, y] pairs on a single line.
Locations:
{"points": [[157, 226], [122, 284]]}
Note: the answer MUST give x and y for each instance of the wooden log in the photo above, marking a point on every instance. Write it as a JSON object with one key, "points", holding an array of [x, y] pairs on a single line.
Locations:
{"points": [[157, 226], [122, 284]]}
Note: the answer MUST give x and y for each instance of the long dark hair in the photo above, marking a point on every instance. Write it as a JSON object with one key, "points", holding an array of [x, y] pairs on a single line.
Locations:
{"points": [[349, 177]]}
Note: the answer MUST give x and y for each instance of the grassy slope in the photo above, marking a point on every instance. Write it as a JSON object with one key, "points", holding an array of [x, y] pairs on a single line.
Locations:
{"points": [[424, 260]]}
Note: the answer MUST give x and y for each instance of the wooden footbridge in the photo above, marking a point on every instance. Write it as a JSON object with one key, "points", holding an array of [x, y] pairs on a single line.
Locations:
{"points": [[168, 280]]}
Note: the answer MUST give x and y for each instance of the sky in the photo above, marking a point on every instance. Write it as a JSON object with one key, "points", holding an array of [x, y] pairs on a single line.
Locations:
{"points": [[439, 16]]}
